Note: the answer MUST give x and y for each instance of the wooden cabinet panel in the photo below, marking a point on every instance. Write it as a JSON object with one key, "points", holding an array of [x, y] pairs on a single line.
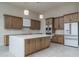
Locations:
{"points": [[56, 22], [6, 40], [35, 24], [58, 39], [8, 23], [61, 39], [67, 18], [36, 44], [73, 17], [27, 47], [54, 39], [61, 22], [13, 22], [32, 45], [47, 41], [42, 43]]}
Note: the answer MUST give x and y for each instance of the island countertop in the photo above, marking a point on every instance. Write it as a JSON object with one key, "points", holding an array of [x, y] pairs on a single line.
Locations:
{"points": [[17, 43], [31, 36]]}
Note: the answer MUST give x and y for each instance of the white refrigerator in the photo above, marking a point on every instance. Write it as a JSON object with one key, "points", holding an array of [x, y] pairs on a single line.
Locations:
{"points": [[71, 34]]}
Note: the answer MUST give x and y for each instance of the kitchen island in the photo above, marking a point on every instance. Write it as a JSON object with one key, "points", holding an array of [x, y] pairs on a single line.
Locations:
{"points": [[23, 45]]}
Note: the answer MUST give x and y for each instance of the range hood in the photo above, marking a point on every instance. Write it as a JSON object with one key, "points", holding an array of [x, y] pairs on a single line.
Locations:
{"points": [[26, 22]]}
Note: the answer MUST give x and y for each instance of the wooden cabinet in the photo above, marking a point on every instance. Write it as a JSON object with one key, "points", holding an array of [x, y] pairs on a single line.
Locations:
{"points": [[56, 23], [36, 44], [35, 24], [27, 47], [30, 46], [58, 39], [54, 39], [67, 18], [42, 43], [6, 40], [47, 42], [13, 22], [59, 23], [73, 17]]}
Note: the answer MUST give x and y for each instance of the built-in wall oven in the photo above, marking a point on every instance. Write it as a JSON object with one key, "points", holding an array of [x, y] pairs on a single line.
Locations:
{"points": [[49, 29]]}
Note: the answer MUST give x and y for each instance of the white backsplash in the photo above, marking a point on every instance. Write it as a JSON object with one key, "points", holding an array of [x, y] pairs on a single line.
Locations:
{"points": [[61, 32]]}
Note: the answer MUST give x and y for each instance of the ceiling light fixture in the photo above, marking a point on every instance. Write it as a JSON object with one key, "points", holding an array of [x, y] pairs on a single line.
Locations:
{"points": [[41, 16], [26, 12]]}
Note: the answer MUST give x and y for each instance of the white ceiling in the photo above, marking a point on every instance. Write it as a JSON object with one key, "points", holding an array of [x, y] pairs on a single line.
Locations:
{"points": [[38, 7]]}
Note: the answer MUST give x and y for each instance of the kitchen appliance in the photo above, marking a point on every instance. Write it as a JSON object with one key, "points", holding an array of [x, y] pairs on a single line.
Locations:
{"points": [[26, 22], [71, 34], [49, 29]]}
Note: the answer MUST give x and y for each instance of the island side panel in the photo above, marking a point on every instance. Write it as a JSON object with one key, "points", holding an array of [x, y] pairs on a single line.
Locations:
{"points": [[16, 46]]}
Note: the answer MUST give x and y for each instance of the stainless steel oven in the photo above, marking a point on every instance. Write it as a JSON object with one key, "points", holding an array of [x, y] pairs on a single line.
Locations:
{"points": [[48, 30]]}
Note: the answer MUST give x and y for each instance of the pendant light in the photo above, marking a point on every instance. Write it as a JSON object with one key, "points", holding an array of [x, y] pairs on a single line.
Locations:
{"points": [[41, 16], [26, 12]]}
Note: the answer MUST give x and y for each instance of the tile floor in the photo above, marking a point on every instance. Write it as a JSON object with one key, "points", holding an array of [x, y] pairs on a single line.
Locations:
{"points": [[55, 50]]}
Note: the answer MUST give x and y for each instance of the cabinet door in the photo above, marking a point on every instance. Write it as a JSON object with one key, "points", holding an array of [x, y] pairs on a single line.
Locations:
{"points": [[35, 25], [42, 43], [32, 45], [13, 22], [61, 23], [61, 39], [67, 18], [47, 41], [8, 22], [56, 26], [74, 17], [38, 45], [27, 47], [6, 40], [54, 39]]}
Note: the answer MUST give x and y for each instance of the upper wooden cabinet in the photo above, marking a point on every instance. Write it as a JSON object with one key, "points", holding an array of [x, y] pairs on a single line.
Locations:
{"points": [[13, 22], [73, 17], [56, 23], [59, 23], [35, 24]]}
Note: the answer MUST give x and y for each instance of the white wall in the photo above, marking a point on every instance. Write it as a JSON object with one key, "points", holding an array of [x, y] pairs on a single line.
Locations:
{"points": [[61, 10], [13, 10]]}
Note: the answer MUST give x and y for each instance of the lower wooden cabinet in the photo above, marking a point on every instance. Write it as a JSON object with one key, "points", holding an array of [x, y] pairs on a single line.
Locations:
{"points": [[58, 39], [6, 40], [54, 39], [36, 44]]}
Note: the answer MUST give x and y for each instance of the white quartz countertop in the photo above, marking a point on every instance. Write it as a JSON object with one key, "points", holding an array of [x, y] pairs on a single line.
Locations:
{"points": [[31, 36]]}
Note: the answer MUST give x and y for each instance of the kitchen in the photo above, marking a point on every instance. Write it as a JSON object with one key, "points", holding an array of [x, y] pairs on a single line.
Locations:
{"points": [[51, 23]]}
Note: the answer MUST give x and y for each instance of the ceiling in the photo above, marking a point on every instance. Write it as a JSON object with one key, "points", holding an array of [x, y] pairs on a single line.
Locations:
{"points": [[38, 7]]}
